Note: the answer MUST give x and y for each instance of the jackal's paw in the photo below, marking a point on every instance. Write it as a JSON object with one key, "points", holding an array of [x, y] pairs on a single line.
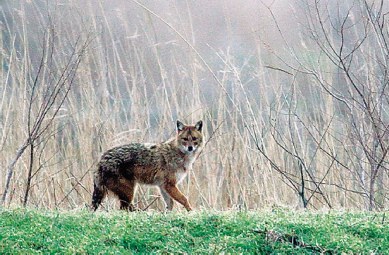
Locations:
{"points": [[129, 207], [133, 208]]}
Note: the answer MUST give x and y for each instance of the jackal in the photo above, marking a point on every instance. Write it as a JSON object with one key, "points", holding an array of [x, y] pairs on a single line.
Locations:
{"points": [[165, 165]]}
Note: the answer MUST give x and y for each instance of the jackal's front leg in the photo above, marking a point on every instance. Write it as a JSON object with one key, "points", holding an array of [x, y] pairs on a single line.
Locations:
{"points": [[167, 198], [176, 194]]}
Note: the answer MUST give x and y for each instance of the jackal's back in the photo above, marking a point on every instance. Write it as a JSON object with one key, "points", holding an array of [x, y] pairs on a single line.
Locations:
{"points": [[144, 163]]}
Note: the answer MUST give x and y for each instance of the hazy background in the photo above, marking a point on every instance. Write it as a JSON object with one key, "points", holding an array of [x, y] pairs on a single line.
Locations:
{"points": [[293, 95]]}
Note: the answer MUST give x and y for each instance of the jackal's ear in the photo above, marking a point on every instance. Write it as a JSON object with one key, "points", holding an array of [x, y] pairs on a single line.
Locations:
{"points": [[199, 125], [180, 126]]}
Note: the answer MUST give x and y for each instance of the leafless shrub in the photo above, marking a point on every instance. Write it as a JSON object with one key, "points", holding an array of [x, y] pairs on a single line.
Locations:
{"points": [[348, 122]]}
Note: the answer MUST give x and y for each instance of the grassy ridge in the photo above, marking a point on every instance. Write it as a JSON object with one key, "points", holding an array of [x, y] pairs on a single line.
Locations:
{"points": [[31, 231]]}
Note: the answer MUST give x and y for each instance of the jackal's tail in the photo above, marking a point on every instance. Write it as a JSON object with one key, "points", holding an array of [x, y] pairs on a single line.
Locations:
{"points": [[99, 191]]}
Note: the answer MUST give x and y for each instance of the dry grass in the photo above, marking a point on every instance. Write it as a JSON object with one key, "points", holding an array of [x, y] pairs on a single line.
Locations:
{"points": [[137, 77]]}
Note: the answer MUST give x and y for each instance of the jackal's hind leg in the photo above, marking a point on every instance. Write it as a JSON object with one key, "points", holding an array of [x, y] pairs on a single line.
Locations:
{"points": [[125, 190]]}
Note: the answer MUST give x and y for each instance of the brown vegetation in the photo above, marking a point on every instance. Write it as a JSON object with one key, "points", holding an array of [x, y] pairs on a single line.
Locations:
{"points": [[294, 98]]}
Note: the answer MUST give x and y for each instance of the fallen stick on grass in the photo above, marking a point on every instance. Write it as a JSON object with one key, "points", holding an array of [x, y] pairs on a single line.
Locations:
{"points": [[274, 236]]}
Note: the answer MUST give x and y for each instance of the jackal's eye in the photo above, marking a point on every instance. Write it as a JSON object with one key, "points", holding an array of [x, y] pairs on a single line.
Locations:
{"points": [[194, 138], [185, 139]]}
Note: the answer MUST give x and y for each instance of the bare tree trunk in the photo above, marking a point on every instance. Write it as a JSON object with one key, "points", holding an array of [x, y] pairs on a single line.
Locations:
{"points": [[302, 190], [29, 176], [10, 171]]}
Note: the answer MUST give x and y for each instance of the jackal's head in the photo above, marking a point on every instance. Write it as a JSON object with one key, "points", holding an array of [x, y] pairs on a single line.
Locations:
{"points": [[189, 138]]}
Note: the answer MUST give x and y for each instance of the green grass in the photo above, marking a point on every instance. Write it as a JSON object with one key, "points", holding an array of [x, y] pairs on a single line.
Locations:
{"points": [[81, 232]]}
